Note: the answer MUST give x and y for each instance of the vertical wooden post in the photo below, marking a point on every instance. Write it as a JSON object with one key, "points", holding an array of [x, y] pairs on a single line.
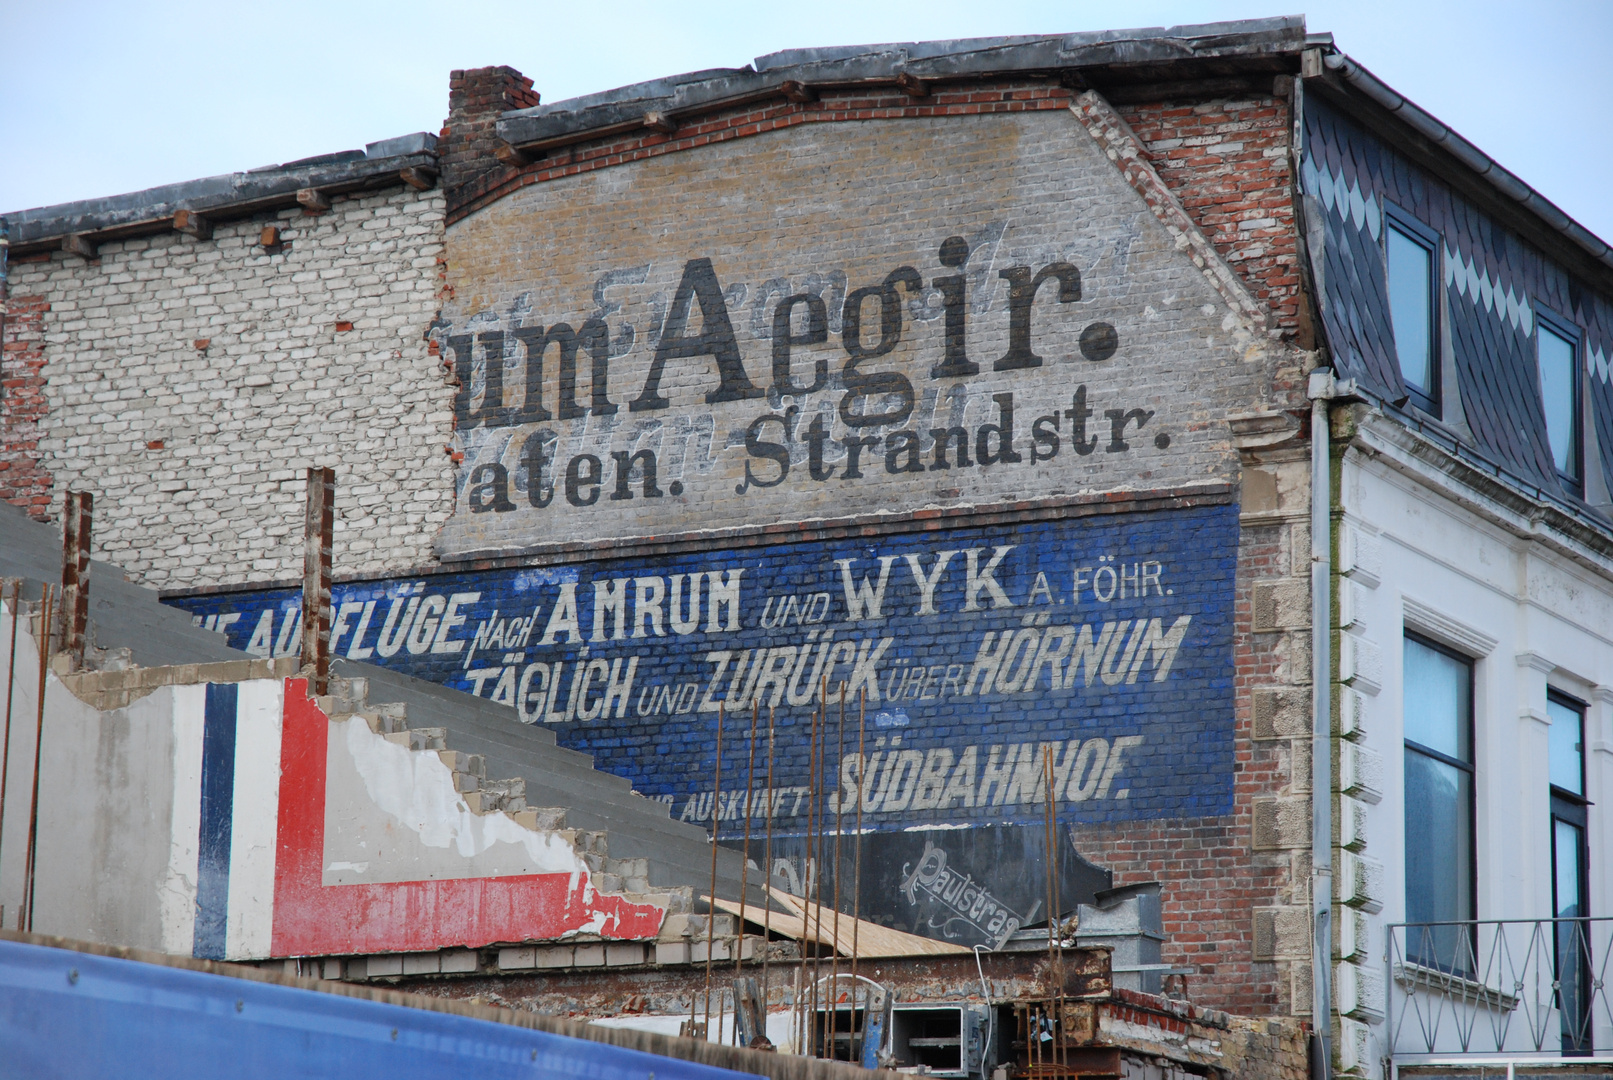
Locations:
{"points": [[316, 575], [75, 605]]}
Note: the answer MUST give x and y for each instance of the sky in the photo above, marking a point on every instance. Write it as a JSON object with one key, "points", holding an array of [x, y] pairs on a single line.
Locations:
{"points": [[100, 98]]}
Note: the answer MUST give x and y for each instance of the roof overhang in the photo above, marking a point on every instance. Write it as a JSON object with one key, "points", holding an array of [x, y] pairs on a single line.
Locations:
{"points": [[409, 159], [1211, 52]]}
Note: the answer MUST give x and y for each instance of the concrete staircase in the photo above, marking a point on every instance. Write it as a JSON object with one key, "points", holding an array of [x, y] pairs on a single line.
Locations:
{"points": [[130, 622]]}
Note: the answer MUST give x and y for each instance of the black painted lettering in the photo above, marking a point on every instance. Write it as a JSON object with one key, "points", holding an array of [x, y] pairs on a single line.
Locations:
{"points": [[533, 338], [955, 436], [854, 450], [1002, 431], [1079, 413], [1118, 419], [816, 436], [459, 348], [716, 339], [489, 489], [784, 339], [954, 294], [492, 412], [535, 456], [902, 452], [625, 463], [595, 337], [583, 474], [1022, 288], [1045, 438], [860, 385], [758, 447]]}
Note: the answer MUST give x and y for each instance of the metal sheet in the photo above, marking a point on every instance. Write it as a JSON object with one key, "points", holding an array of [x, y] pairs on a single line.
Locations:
{"points": [[70, 1014]]}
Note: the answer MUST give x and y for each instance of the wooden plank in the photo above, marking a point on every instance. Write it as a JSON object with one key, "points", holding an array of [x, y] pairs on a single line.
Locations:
{"points": [[802, 922], [418, 177], [80, 245], [312, 200], [657, 120], [191, 223]]}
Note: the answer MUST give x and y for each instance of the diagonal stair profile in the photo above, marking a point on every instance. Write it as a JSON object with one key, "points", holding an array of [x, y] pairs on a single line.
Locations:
{"points": [[130, 625]]}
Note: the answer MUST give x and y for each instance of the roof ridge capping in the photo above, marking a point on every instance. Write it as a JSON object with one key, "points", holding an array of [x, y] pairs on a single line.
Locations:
{"points": [[1452, 142], [1233, 36], [577, 117], [223, 191]]}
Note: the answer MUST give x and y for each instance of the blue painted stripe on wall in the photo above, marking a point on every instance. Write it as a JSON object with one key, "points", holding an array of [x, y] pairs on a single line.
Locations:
{"points": [[218, 799]]}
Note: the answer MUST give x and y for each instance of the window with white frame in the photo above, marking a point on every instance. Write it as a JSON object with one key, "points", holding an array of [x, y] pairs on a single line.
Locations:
{"points": [[1437, 717]]}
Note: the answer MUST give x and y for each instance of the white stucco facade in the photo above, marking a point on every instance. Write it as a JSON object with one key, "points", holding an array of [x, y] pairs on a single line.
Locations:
{"points": [[1426, 546]]}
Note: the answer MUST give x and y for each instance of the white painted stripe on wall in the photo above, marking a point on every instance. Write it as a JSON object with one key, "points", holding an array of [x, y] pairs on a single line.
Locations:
{"points": [[178, 900], [254, 828]]}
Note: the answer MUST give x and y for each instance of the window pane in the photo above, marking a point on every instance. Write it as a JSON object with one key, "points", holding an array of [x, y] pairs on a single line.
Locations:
{"points": [[1565, 856], [1439, 870], [1437, 687], [1411, 308], [1558, 392], [1567, 737]]}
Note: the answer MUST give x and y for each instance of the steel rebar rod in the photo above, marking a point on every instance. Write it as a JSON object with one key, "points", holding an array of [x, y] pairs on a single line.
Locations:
{"points": [[767, 874], [25, 913], [11, 684], [711, 914]]}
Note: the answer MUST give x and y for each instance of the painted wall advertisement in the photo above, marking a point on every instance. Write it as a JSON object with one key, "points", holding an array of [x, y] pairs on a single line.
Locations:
{"points": [[978, 666]]}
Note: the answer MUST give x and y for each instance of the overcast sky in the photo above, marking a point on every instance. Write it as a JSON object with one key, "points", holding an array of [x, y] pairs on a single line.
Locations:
{"points": [[98, 98]]}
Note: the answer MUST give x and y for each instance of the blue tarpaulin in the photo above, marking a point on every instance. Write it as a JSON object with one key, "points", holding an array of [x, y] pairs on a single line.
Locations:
{"points": [[73, 1014]]}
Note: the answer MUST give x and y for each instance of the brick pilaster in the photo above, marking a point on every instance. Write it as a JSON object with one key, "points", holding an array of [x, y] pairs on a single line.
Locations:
{"points": [[476, 97], [24, 480]]}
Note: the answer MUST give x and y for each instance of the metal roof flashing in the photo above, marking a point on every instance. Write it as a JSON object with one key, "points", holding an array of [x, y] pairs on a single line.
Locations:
{"points": [[1358, 79]]}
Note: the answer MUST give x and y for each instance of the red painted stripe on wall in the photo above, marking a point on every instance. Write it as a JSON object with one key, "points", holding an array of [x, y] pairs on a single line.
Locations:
{"points": [[314, 919]]}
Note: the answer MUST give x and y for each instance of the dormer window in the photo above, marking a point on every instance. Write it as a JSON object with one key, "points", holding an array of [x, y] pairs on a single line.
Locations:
{"points": [[1410, 251], [1557, 356]]}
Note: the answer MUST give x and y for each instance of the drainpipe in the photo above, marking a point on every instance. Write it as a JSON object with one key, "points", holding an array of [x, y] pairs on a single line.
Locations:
{"points": [[1323, 389]]}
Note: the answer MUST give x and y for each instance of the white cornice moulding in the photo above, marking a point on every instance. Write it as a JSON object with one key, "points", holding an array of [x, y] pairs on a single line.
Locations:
{"points": [[1443, 628], [1536, 662]]}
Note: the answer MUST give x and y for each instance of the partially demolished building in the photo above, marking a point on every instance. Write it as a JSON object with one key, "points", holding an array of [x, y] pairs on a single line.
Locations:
{"points": [[978, 483]]}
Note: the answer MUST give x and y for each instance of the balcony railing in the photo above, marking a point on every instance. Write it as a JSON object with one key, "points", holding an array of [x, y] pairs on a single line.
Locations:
{"points": [[1509, 988]]}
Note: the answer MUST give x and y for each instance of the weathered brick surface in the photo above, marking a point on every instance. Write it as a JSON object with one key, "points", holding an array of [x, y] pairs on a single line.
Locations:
{"points": [[189, 383], [824, 207], [1227, 160], [25, 478], [476, 97], [195, 453]]}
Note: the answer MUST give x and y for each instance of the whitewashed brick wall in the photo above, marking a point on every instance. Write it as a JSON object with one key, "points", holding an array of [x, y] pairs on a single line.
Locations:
{"points": [[276, 388]]}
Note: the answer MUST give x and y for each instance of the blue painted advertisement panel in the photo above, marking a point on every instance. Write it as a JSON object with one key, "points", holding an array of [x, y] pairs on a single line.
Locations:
{"points": [[1092, 652]]}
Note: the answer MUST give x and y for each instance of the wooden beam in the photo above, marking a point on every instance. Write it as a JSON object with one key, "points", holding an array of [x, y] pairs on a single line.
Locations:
{"points": [[191, 223], [510, 155], [656, 120], [912, 85], [313, 201], [798, 92], [81, 245], [269, 239], [418, 177]]}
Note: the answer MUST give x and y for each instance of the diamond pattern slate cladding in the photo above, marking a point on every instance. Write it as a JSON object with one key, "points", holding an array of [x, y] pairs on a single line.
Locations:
{"points": [[1494, 347]]}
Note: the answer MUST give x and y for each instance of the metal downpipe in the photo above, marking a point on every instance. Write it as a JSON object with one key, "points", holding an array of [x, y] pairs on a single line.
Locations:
{"points": [[1321, 391]]}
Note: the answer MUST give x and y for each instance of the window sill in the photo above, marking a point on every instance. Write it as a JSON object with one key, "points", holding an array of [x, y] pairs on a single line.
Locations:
{"points": [[1459, 988]]}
